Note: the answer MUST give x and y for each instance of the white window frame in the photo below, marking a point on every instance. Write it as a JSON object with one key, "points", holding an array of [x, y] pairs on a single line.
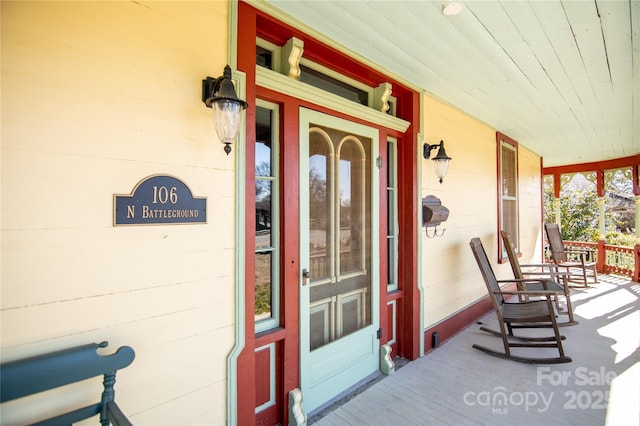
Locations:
{"points": [[503, 196]]}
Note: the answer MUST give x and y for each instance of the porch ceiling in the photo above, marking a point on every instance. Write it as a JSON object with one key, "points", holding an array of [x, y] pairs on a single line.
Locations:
{"points": [[560, 77]]}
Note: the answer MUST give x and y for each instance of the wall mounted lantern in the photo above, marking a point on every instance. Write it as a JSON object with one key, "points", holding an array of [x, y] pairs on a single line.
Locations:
{"points": [[441, 160], [220, 95]]}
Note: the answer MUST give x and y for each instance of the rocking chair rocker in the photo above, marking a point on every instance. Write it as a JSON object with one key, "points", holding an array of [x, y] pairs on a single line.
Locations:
{"points": [[531, 314]]}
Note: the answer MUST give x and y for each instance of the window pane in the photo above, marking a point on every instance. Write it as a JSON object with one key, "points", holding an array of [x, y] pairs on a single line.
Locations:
{"points": [[330, 84], [263, 292], [508, 172], [391, 269], [352, 216], [391, 213], [264, 154], [319, 207], [391, 162], [263, 214], [264, 57], [510, 216]]}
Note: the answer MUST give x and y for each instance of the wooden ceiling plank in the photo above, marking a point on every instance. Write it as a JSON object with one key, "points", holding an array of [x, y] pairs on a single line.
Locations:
{"points": [[585, 23], [536, 55]]}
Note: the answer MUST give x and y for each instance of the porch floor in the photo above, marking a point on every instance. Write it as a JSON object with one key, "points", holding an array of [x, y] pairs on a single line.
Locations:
{"points": [[458, 385]]}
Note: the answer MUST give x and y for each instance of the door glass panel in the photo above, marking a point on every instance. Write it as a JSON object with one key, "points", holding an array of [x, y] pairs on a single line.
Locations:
{"points": [[340, 234], [352, 216], [320, 241], [263, 285], [263, 214]]}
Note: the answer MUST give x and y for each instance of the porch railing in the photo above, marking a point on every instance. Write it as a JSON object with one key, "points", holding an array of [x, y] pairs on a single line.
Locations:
{"points": [[610, 259], [619, 260]]}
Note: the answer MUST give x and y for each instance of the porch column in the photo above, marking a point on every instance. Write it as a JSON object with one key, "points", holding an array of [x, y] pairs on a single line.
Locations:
{"points": [[600, 190], [635, 178], [557, 186], [600, 261], [556, 207], [636, 248]]}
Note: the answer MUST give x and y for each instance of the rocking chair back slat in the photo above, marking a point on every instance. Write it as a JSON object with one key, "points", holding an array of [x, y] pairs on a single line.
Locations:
{"points": [[555, 242], [513, 258], [486, 271]]}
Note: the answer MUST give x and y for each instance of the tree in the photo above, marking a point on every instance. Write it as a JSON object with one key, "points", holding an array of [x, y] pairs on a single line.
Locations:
{"points": [[579, 216]]}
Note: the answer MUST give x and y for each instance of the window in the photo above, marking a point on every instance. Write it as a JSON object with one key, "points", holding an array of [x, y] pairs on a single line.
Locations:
{"points": [[267, 55], [392, 216], [333, 85], [266, 240], [508, 192], [264, 57]]}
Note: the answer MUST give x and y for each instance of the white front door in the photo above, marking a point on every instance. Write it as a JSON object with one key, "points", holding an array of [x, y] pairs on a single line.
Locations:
{"points": [[339, 237]]}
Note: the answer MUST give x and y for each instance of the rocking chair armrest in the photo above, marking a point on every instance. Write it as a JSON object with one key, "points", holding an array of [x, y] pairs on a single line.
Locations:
{"points": [[566, 268], [543, 275], [547, 273], [521, 280], [544, 283], [535, 264], [547, 293], [539, 265]]}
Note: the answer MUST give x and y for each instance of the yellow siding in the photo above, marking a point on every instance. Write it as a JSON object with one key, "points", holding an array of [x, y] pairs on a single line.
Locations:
{"points": [[530, 190], [95, 97], [450, 276]]}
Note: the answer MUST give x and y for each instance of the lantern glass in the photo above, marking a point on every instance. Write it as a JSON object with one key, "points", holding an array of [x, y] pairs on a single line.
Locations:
{"points": [[226, 118], [441, 166]]}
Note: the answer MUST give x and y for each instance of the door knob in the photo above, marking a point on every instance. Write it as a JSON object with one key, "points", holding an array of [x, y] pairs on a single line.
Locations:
{"points": [[306, 274]]}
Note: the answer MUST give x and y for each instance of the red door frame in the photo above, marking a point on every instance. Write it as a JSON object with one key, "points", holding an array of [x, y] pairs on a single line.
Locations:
{"points": [[252, 22]]}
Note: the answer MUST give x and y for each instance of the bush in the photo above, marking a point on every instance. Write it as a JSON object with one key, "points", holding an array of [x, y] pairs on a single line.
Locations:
{"points": [[619, 239]]}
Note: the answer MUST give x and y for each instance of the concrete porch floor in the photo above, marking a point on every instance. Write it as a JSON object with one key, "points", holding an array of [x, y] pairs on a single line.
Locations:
{"points": [[458, 385]]}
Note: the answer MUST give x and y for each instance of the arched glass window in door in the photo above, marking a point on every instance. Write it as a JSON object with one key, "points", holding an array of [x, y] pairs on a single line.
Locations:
{"points": [[321, 220], [352, 214]]}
